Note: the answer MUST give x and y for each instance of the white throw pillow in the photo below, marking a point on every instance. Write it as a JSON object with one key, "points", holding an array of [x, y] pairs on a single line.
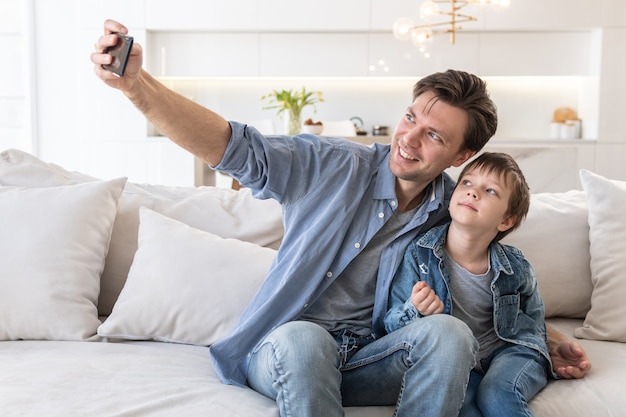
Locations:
{"points": [[185, 285], [22, 169], [607, 234], [226, 212], [52, 248], [555, 239]]}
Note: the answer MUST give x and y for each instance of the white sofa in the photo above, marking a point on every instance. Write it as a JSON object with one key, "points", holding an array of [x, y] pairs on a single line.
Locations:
{"points": [[101, 315]]}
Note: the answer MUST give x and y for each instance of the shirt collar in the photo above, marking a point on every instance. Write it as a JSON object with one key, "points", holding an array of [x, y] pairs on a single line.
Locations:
{"points": [[385, 188]]}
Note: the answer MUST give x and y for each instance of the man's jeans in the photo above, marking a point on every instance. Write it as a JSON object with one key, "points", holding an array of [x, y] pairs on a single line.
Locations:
{"points": [[514, 375], [422, 368]]}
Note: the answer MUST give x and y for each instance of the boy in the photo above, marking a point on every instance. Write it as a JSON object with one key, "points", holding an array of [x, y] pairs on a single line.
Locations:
{"points": [[459, 268]]}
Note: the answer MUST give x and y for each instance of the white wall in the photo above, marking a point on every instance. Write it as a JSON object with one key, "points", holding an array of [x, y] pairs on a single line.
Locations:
{"points": [[16, 76]]}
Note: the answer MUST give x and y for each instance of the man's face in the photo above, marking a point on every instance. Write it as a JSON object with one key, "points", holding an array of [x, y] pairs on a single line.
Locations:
{"points": [[427, 140]]}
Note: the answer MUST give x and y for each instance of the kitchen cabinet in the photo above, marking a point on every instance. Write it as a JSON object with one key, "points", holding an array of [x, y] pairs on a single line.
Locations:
{"points": [[491, 54], [520, 15], [313, 54], [89, 14], [318, 15], [392, 58], [203, 54], [356, 54], [537, 53], [201, 15], [259, 15]]}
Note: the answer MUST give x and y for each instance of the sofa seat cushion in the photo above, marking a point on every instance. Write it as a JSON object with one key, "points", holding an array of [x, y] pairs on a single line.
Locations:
{"points": [[600, 393], [99, 379], [139, 379]]}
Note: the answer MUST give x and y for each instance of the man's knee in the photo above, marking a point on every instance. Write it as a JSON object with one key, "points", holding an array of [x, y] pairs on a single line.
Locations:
{"points": [[444, 336], [444, 328], [300, 343]]}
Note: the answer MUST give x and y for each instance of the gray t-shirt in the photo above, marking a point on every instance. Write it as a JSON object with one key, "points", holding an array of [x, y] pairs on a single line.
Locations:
{"points": [[472, 302], [348, 302]]}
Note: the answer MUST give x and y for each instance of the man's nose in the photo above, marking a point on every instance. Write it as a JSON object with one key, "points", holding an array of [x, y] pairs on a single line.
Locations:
{"points": [[414, 135]]}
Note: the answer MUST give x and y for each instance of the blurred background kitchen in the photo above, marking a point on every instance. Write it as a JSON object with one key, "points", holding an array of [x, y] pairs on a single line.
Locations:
{"points": [[542, 60]]}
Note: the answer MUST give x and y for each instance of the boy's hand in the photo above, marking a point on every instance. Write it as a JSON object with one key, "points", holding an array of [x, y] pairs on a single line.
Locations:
{"points": [[425, 300]]}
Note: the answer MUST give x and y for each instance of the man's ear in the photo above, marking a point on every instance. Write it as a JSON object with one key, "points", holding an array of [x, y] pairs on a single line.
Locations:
{"points": [[462, 157], [507, 223]]}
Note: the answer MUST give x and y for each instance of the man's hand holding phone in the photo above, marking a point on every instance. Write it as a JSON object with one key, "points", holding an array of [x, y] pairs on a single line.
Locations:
{"points": [[120, 52], [117, 59]]}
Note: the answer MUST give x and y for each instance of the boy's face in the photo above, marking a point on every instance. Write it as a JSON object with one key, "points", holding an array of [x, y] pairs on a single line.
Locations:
{"points": [[481, 201]]}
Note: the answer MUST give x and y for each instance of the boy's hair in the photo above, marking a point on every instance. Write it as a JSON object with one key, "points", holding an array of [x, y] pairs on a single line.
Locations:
{"points": [[505, 166], [467, 92]]}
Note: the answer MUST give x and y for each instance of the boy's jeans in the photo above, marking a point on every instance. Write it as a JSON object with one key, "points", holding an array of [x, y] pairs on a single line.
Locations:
{"points": [[514, 375], [422, 368]]}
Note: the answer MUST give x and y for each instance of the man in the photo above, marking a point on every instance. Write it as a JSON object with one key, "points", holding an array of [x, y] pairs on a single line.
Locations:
{"points": [[313, 337]]}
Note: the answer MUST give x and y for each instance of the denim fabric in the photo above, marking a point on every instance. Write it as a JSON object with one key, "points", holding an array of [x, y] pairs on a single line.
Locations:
{"points": [[514, 375], [335, 196], [422, 368], [518, 308]]}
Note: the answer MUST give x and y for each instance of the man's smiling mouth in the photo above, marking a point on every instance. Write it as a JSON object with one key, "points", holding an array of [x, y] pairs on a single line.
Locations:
{"points": [[406, 155]]}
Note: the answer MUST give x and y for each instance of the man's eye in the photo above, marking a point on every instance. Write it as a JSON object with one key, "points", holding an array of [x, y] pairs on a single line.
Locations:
{"points": [[409, 117], [434, 135]]}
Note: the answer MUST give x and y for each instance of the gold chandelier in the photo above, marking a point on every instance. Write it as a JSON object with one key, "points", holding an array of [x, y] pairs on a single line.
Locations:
{"points": [[404, 29]]}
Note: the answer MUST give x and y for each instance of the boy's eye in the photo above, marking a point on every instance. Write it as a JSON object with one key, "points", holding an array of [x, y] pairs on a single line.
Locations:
{"points": [[492, 191]]}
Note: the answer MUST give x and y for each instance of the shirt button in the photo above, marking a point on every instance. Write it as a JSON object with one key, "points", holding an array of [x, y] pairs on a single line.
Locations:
{"points": [[357, 245], [381, 215], [329, 274], [306, 305], [393, 203]]}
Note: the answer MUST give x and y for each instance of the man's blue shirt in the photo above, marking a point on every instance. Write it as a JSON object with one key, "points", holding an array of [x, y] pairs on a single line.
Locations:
{"points": [[335, 196]]}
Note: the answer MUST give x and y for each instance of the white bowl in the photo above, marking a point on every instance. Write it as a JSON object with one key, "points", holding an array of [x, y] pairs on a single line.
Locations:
{"points": [[312, 129]]}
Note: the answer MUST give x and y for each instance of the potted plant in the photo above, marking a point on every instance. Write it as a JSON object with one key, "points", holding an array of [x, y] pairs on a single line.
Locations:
{"points": [[290, 104]]}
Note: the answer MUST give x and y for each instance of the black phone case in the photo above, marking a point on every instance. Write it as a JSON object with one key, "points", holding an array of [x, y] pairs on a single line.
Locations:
{"points": [[120, 53]]}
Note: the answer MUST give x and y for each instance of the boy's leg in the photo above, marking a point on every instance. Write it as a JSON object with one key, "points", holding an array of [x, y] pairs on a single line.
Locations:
{"points": [[514, 376], [297, 365], [423, 368], [470, 409]]}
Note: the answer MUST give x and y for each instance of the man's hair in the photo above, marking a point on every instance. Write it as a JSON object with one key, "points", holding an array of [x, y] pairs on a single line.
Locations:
{"points": [[505, 167], [467, 92]]}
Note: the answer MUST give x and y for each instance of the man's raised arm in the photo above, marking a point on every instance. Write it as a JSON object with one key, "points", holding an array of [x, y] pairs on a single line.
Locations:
{"points": [[193, 127]]}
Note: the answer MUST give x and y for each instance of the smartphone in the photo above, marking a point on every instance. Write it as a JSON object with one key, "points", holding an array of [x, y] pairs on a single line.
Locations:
{"points": [[120, 53]]}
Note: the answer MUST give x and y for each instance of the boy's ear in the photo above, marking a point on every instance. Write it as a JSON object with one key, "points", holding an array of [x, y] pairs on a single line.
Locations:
{"points": [[508, 222]]}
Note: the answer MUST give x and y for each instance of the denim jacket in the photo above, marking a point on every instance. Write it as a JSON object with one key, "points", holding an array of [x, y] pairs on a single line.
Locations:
{"points": [[518, 311]]}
